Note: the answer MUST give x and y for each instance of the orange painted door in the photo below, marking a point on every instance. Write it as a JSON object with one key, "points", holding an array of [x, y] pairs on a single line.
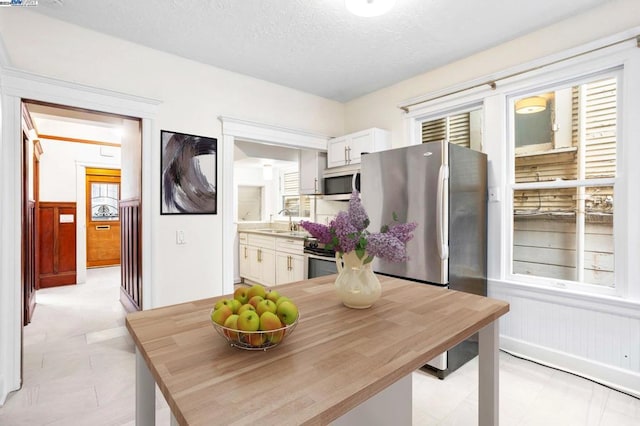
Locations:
{"points": [[103, 220]]}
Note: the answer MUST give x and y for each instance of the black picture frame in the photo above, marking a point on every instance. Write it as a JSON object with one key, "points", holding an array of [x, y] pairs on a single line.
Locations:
{"points": [[188, 174]]}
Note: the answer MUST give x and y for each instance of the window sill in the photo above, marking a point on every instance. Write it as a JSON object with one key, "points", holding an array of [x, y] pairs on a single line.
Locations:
{"points": [[568, 297], [547, 152]]}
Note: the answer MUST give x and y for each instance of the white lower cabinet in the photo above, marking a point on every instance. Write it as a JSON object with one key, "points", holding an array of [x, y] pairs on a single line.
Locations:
{"points": [[289, 268], [270, 260], [289, 260], [264, 268], [244, 263]]}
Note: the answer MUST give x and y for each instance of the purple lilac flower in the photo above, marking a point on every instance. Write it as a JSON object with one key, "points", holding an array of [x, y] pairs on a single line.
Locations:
{"points": [[345, 232], [357, 214], [386, 246], [402, 231], [317, 230]]}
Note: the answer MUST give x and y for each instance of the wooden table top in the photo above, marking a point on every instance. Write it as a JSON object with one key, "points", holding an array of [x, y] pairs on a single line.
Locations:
{"points": [[335, 359]]}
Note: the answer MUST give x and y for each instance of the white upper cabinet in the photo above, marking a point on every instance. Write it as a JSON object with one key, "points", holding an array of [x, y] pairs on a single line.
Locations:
{"points": [[348, 149], [311, 165]]}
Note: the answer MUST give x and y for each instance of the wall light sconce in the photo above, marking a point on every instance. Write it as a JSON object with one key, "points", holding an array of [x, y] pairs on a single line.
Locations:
{"points": [[369, 8], [531, 105]]}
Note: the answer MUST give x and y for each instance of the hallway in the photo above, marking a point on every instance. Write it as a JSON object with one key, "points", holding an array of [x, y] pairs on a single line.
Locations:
{"points": [[79, 363]]}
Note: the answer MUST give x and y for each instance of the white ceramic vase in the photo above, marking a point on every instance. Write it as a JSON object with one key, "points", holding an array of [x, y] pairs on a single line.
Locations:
{"points": [[356, 286]]}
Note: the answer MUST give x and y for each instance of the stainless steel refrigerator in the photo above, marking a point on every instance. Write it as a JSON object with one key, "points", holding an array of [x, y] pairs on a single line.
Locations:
{"points": [[443, 188]]}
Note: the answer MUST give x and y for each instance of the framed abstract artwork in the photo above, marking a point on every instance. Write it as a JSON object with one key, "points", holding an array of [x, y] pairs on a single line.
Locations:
{"points": [[188, 174]]}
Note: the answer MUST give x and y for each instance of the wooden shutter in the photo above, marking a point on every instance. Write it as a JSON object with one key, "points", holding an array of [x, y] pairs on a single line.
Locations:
{"points": [[455, 128]]}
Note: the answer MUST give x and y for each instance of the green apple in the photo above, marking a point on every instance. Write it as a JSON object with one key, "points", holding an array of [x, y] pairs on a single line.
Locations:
{"points": [[255, 300], [231, 322], [282, 299], [234, 304], [287, 312], [245, 307], [248, 321], [220, 315], [241, 295], [270, 321], [266, 305], [256, 290], [273, 295]]}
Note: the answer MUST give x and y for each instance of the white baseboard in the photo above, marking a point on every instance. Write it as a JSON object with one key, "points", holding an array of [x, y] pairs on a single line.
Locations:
{"points": [[616, 378]]}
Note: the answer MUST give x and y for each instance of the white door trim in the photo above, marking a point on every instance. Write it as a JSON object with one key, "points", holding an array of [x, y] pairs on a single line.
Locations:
{"points": [[16, 85], [232, 129]]}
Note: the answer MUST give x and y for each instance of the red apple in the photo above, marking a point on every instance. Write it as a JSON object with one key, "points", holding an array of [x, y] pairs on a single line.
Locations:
{"points": [[270, 321], [256, 339], [220, 315], [255, 300]]}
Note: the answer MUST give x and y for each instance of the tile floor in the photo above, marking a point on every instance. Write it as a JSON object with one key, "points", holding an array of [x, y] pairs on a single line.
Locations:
{"points": [[79, 370]]}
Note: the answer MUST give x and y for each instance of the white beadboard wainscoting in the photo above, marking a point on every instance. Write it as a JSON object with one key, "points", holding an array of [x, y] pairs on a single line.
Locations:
{"points": [[592, 336]]}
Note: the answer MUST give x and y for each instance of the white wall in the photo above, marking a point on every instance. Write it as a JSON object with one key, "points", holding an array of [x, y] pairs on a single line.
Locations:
{"points": [[58, 167], [380, 108], [594, 336], [191, 105]]}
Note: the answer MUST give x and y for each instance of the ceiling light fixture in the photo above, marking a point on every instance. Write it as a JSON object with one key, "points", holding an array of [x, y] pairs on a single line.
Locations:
{"points": [[531, 105], [368, 8]]}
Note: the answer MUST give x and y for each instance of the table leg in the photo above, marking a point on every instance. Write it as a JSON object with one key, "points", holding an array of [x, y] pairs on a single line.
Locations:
{"points": [[488, 378], [392, 406], [145, 393]]}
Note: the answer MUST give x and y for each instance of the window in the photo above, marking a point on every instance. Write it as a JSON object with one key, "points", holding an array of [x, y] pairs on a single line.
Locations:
{"points": [[104, 201], [461, 128], [298, 205], [250, 203], [563, 186]]}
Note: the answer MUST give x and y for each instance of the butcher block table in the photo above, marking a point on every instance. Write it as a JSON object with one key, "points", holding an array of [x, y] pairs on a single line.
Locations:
{"points": [[340, 365]]}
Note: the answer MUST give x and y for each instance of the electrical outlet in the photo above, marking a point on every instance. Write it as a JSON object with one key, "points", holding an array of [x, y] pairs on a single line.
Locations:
{"points": [[180, 237]]}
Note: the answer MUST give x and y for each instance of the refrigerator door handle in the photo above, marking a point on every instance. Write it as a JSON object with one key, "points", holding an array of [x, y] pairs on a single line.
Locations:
{"points": [[441, 213]]}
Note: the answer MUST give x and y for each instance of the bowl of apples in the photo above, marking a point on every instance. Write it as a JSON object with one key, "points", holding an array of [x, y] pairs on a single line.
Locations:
{"points": [[255, 318]]}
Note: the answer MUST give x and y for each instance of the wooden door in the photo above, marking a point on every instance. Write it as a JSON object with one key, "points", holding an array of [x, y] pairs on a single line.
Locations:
{"points": [[103, 217], [57, 243]]}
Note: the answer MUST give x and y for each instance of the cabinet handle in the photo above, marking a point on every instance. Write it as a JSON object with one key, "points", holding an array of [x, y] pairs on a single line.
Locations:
{"points": [[345, 154], [259, 255], [245, 253], [348, 155], [315, 185], [289, 259]]}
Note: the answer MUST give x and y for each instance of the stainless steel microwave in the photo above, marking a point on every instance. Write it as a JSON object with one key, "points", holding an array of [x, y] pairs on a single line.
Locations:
{"points": [[340, 182]]}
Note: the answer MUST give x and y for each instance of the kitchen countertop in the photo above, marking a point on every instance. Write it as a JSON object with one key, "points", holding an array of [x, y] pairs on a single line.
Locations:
{"points": [[281, 233], [336, 359]]}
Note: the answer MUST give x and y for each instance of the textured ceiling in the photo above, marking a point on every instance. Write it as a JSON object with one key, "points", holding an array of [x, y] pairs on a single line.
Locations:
{"points": [[316, 45]]}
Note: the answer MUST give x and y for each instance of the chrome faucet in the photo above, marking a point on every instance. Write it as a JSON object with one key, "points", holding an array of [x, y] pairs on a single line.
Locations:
{"points": [[288, 212]]}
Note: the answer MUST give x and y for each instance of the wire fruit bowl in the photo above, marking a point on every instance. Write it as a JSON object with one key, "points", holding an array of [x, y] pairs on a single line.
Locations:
{"points": [[255, 340]]}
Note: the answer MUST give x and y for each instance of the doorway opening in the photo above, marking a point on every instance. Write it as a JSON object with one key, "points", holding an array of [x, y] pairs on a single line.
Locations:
{"points": [[82, 176]]}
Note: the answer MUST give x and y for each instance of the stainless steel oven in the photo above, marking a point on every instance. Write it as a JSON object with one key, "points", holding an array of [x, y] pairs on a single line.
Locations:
{"points": [[318, 260]]}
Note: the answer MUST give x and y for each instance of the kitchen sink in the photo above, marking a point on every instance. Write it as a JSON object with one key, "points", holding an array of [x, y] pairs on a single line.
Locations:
{"points": [[283, 232]]}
